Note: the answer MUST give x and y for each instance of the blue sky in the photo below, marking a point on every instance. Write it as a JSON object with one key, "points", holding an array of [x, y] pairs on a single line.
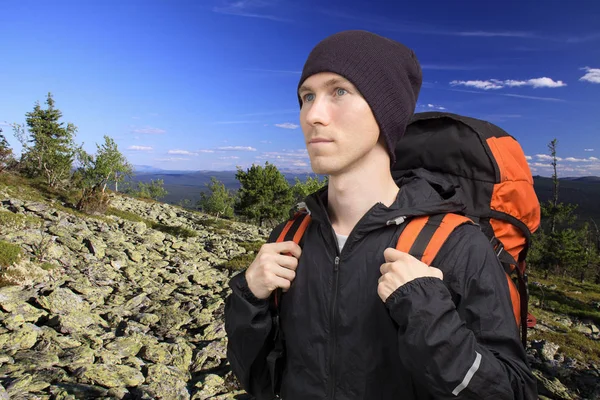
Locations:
{"points": [[210, 84]]}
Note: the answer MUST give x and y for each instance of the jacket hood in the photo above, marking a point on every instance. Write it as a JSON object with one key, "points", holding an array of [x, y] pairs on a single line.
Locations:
{"points": [[421, 193]]}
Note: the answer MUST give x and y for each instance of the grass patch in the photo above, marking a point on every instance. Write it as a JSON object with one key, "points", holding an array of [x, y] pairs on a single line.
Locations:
{"points": [[566, 296], [238, 263], [178, 231], [48, 266], [251, 246], [217, 224], [9, 253], [572, 344], [126, 215], [585, 292], [243, 261]]}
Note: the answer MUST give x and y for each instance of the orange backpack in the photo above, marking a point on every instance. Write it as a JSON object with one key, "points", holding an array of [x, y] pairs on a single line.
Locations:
{"points": [[490, 167]]}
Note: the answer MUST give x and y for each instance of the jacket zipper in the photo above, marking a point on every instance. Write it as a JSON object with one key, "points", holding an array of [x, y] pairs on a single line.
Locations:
{"points": [[336, 268]]}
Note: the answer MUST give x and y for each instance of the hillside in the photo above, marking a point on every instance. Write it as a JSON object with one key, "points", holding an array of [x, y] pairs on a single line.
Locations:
{"points": [[129, 305]]}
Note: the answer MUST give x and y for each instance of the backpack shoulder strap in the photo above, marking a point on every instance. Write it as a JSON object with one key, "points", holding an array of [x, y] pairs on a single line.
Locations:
{"points": [[424, 236], [293, 230], [295, 227]]}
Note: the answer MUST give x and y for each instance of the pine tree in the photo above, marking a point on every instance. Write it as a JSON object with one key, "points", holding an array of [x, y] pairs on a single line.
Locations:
{"points": [[265, 195], [302, 189], [6, 154], [48, 146], [219, 202]]}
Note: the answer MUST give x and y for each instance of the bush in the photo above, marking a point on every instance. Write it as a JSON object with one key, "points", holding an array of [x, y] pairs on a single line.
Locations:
{"points": [[93, 201], [9, 253]]}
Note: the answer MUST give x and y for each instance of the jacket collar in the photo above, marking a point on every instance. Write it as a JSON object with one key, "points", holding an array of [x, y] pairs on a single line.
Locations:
{"points": [[421, 193]]}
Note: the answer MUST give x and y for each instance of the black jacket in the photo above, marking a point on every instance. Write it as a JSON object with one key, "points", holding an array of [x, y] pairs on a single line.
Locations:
{"points": [[431, 339]]}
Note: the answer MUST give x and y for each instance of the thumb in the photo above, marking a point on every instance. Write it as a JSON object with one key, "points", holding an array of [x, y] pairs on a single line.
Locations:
{"points": [[391, 254]]}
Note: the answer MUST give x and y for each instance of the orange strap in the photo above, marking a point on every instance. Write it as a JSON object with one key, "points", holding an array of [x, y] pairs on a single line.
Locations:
{"points": [[296, 238], [416, 225]]}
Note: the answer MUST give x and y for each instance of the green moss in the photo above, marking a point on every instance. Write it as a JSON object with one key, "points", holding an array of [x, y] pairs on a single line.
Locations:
{"points": [[572, 344], [238, 263], [566, 296], [126, 215], [178, 231], [48, 266], [252, 246], [217, 224], [9, 253]]}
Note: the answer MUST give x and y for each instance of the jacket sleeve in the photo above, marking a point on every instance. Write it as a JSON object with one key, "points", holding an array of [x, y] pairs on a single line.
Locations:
{"points": [[248, 324], [458, 337]]}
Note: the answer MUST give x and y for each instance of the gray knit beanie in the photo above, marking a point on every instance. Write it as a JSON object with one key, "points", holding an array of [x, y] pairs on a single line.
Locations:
{"points": [[385, 72]]}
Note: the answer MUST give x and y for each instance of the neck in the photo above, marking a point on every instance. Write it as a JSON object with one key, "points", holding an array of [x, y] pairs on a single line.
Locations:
{"points": [[352, 193]]}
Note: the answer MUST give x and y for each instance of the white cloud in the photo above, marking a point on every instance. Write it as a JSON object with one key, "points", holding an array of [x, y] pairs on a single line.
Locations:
{"points": [[236, 148], [592, 75], [248, 8], [182, 152], [568, 166], [546, 157], [287, 125], [499, 84], [206, 151], [541, 165], [433, 106], [486, 85], [588, 149], [4, 123], [528, 157], [265, 142], [229, 158], [140, 148], [149, 131]]}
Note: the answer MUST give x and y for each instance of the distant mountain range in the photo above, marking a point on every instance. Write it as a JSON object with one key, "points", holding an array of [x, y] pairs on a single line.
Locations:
{"points": [[583, 191]]}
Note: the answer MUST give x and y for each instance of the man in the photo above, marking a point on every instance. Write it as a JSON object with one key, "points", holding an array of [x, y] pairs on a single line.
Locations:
{"points": [[361, 319]]}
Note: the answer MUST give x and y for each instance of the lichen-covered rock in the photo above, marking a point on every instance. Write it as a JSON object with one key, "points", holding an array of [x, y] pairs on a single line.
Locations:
{"points": [[210, 386], [210, 356], [112, 376], [166, 382]]}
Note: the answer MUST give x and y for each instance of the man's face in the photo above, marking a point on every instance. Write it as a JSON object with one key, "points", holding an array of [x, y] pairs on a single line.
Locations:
{"points": [[338, 124]]}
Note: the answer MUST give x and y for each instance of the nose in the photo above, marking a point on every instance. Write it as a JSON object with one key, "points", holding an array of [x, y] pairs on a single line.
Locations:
{"points": [[317, 111]]}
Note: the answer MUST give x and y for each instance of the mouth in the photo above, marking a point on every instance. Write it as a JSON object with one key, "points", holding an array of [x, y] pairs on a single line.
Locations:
{"points": [[320, 140]]}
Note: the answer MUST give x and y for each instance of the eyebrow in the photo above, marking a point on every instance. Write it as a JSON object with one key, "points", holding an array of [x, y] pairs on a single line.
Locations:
{"points": [[329, 83]]}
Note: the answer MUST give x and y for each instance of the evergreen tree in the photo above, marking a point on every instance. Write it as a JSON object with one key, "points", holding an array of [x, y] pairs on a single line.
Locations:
{"points": [[219, 202], [48, 146], [6, 154], [302, 189], [265, 194]]}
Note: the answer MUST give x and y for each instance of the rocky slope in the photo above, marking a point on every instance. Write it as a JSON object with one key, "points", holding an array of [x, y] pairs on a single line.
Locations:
{"points": [[110, 308]]}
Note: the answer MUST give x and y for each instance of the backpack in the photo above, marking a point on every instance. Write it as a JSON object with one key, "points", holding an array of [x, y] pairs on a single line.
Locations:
{"points": [[490, 167]]}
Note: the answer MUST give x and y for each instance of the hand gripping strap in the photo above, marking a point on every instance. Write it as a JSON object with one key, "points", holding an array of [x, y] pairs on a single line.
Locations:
{"points": [[293, 230]]}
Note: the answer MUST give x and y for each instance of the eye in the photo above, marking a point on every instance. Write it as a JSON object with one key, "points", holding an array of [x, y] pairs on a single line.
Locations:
{"points": [[308, 97], [340, 91]]}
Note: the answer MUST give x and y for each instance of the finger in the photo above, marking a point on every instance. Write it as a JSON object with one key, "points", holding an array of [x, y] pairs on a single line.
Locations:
{"points": [[289, 262], [284, 273], [282, 282], [287, 247], [385, 268], [390, 254]]}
